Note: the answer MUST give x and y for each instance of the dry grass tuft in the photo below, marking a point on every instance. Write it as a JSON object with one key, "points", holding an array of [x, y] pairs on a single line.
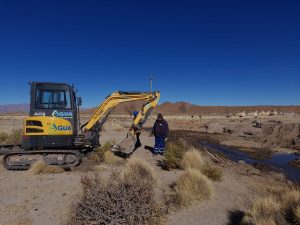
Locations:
{"points": [[265, 208], [20, 222], [213, 173], [111, 159], [37, 167], [266, 222], [265, 211], [138, 169], [291, 199], [192, 159], [3, 137], [291, 204], [175, 149], [98, 154], [53, 169], [193, 186], [296, 213], [115, 201], [278, 208], [40, 167], [116, 127], [12, 138], [99, 168]]}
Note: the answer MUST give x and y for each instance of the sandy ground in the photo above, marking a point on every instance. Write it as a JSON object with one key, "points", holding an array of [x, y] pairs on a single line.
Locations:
{"points": [[46, 199]]}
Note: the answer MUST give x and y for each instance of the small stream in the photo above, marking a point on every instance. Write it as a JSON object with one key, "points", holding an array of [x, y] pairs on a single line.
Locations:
{"points": [[277, 162]]}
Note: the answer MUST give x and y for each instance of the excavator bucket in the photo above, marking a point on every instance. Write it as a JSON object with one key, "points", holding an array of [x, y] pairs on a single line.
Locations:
{"points": [[126, 146]]}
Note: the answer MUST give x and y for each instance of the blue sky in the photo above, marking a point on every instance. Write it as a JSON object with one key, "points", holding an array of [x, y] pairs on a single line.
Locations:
{"points": [[205, 52]]}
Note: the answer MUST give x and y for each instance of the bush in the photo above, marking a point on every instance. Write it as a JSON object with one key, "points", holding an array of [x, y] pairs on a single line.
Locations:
{"points": [[296, 213], [116, 201], [40, 167], [175, 150], [111, 159], [264, 211], [116, 127], [193, 159], [13, 138], [213, 173], [265, 208], [98, 154], [20, 221], [266, 222], [291, 204], [192, 186], [138, 169], [3, 137]]}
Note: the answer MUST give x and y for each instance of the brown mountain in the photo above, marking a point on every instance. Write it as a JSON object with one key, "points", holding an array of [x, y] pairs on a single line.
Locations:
{"points": [[14, 108], [185, 108]]}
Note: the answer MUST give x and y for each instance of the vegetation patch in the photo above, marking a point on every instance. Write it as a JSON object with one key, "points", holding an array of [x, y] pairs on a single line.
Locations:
{"points": [[193, 159], [175, 150], [213, 173], [98, 154], [264, 210], [117, 127], [23, 221], [283, 208], [138, 169], [13, 138], [192, 186], [111, 159], [40, 167], [126, 198]]}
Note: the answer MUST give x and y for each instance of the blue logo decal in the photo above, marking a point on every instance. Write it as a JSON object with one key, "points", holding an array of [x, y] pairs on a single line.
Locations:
{"points": [[55, 113]]}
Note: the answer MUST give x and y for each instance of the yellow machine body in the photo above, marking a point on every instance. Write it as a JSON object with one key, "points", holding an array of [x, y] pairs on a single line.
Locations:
{"points": [[46, 125]]}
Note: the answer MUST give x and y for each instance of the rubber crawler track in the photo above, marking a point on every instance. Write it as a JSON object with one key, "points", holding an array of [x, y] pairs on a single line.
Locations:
{"points": [[8, 166]]}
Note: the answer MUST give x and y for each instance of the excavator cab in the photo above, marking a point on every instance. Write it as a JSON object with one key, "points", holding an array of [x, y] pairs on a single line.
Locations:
{"points": [[52, 120]]}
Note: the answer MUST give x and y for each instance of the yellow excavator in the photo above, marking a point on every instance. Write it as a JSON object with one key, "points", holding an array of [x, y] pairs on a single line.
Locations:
{"points": [[53, 132]]}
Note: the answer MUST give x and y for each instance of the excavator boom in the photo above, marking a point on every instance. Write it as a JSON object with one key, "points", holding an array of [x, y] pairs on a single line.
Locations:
{"points": [[112, 101]]}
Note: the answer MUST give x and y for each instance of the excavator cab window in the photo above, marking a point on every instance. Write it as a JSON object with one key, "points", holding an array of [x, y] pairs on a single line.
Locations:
{"points": [[47, 98]]}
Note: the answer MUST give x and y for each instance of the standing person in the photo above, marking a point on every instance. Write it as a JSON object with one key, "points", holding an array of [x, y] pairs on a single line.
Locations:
{"points": [[160, 131]]}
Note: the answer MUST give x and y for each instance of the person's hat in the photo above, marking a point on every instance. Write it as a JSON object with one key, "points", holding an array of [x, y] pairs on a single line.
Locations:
{"points": [[135, 113], [159, 116]]}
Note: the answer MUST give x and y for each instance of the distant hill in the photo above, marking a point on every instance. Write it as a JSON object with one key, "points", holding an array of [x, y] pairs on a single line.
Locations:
{"points": [[185, 108], [14, 108], [168, 108]]}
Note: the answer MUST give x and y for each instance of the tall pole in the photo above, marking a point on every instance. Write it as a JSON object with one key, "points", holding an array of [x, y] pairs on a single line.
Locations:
{"points": [[151, 80]]}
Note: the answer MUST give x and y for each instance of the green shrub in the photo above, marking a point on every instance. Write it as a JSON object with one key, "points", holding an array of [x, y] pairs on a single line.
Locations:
{"points": [[3, 137], [175, 150], [213, 173], [194, 159], [99, 154], [13, 138]]}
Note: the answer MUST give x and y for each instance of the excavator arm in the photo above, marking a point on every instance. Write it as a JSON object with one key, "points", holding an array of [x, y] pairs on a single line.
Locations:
{"points": [[102, 113], [105, 109]]}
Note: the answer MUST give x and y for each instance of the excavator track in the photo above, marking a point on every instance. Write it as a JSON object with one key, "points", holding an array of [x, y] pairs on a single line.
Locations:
{"points": [[23, 159]]}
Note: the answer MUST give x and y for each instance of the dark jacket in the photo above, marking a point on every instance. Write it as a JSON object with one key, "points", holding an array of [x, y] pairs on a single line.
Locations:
{"points": [[161, 128]]}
